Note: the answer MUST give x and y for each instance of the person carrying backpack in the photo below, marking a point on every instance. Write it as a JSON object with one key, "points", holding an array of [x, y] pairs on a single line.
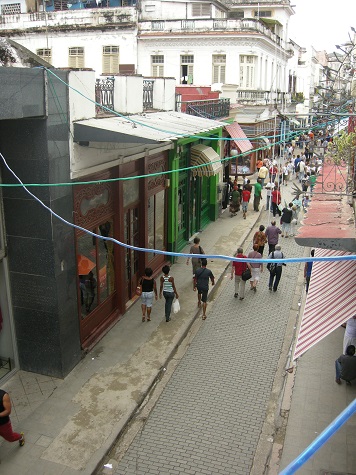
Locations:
{"points": [[275, 269]]}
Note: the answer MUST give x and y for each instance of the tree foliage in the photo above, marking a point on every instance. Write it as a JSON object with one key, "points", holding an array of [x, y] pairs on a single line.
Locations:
{"points": [[343, 148]]}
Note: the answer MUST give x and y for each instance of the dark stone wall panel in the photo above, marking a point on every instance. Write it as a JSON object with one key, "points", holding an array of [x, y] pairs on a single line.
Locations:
{"points": [[36, 327], [43, 359], [31, 256], [27, 218], [34, 292], [21, 93]]}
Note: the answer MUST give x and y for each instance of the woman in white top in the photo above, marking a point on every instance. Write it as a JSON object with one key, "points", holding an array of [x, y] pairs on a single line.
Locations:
{"points": [[167, 286]]}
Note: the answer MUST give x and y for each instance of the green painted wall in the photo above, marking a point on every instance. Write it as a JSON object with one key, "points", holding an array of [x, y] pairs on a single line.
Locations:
{"points": [[172, 198]]}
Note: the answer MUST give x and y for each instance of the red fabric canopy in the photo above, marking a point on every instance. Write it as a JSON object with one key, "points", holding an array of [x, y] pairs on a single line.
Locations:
{"points": [[241, 142], [330, 302]]}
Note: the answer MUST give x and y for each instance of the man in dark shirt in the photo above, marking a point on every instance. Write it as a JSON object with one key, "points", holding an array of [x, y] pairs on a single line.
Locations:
{"points": [[201, 282], [345, 366]]}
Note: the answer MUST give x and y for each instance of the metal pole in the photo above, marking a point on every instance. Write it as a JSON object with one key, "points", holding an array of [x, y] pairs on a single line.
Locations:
{"points": [[320, 440]]}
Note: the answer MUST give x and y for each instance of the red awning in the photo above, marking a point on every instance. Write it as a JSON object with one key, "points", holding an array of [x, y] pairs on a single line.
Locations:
{"points": [[239, 136], [330, 301]]}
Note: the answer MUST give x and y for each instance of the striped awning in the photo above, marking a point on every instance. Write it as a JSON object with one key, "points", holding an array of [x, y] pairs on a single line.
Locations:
{"points": [[331, 299], [239, 136], [202, 155]]}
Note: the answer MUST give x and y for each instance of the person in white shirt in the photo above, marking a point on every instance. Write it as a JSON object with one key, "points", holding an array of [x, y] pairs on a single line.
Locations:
{"points": [[301, 170]]}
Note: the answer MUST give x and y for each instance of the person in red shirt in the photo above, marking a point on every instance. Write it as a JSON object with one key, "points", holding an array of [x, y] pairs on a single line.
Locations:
{"points": [[246, 194], [276, 200], [239, 268], [5, 424]]}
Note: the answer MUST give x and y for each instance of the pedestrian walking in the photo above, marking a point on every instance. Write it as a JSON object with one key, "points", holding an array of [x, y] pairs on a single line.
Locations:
{"points": [[269, 188], [345, 366], [238, 268], [308, 271], [235, 201], [350, 333], [195, 249], [256, 268], [257, 195], [148, 292], [246, 194], [260, 239], [168, 288], [272, 233], [201, 283], [305, 203], [262, 174], [5, 423], [286, 220], [276, 201], [275, 270], [294, 222]]}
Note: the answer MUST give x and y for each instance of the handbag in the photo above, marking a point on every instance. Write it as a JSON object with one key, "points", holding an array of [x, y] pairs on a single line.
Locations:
{"points": [[139, 289], [246, 275], [176, 306]]}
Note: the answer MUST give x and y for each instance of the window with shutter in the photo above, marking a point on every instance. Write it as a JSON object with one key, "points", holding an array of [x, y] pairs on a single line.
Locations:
{"points": [[247, 71], [76, 57], [219, 66], [186, 68], [157, 63], [201, 9], [111, 60], [263, 14], [46, 54], [190, 74]]}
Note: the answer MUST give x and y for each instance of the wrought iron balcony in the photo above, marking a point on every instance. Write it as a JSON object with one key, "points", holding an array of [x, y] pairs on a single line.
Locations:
{"points": [[209, 108], [104, 96]]}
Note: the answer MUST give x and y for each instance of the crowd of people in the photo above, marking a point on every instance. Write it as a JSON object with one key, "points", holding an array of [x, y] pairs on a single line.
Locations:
{"points": [[272, 175]]}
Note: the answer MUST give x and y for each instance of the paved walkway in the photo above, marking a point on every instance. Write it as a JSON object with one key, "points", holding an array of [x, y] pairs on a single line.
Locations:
{"points": [[316, 401], [210, 416], [219, 410], [70, 424]]}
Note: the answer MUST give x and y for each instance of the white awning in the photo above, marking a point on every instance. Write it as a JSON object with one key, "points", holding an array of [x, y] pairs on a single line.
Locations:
{"points": [[330, 301], [202, 155]]}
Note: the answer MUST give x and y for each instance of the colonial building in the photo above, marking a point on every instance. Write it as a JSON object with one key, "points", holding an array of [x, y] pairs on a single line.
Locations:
{"points": [[114, 177]]}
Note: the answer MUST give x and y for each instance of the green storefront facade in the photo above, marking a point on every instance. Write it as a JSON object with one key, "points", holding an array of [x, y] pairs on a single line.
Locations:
{"points": [[192, 200]]}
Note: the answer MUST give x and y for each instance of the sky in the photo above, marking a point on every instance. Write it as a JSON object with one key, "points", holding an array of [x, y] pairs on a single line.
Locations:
{"points": [[322, 23]]}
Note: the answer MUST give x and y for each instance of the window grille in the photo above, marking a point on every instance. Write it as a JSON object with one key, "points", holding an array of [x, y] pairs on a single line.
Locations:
{"points": [[11, 9]]}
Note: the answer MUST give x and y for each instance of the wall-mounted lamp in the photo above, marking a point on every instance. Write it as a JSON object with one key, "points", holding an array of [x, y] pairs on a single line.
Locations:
{"points": [[233, 152], [167, 183]]}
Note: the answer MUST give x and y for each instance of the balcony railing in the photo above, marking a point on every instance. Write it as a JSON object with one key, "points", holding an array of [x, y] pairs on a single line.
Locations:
{"points": [[148, 94], [76, 18], [104, 96], [209, 108], [206, 25], [258, 97]]}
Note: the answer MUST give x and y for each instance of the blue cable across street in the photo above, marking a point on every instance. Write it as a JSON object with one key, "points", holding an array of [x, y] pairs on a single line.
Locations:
{"points": [[320, 440]]}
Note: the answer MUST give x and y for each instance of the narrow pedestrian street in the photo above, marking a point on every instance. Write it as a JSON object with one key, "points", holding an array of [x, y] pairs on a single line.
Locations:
{"points": [[210, 416]]}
